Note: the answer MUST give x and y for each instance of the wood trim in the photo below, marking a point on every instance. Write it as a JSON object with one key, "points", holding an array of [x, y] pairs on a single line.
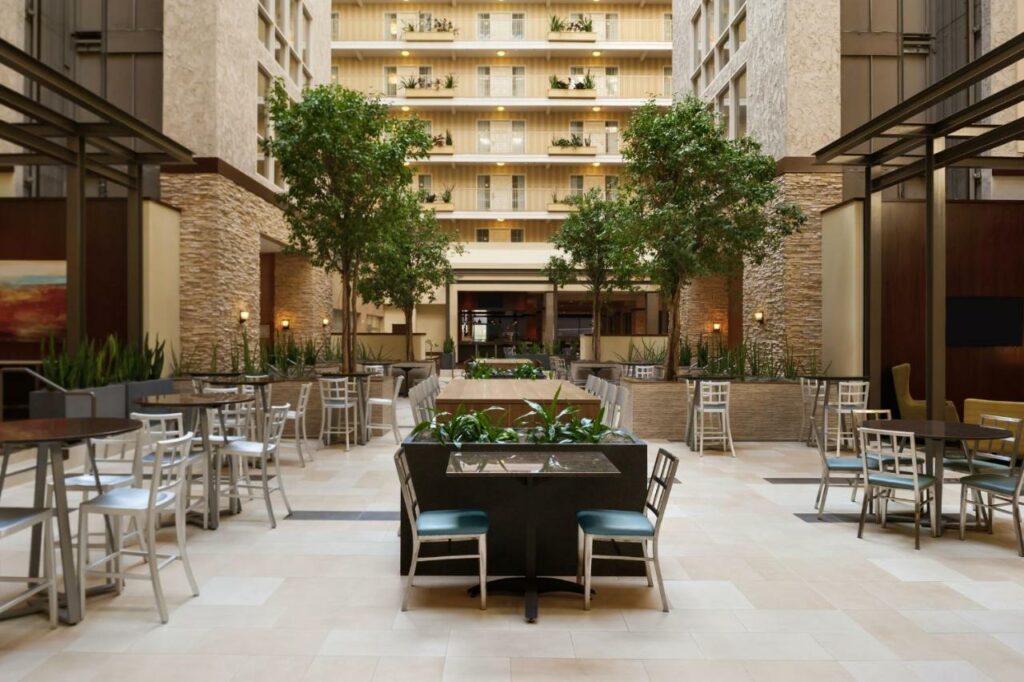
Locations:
{"points": [[218, 166], [803, 164]]}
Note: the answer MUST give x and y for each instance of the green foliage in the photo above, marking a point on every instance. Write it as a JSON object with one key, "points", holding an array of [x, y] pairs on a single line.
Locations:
{"points": [[701, 203], [648, 352], [366, 354], [547, 424], [574, 141], [685, 352], [482, 370], [556, 24], [463, 426], [93, 365], [449, 345]]}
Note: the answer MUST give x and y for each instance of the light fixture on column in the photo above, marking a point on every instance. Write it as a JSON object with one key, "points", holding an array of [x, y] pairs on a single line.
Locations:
{"points": [[285, 324], [243, 316], [326, 322], [759, 316], [716, 327]]}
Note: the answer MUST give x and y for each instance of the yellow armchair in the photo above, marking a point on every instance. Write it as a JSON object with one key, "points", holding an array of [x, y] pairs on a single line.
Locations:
{"points": [[910, 408]]}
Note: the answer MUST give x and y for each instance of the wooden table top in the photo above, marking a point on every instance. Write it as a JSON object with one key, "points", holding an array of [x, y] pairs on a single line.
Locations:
{"points": [[509, 390], [62, 430]]}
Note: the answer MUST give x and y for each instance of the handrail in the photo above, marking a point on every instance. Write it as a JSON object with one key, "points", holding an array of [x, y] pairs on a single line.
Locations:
{"points": [[51, 384]]}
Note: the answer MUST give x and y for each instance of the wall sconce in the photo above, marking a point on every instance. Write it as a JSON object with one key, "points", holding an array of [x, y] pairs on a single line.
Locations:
{"points": [[243, 316], [759, 316], [326, 322], [716, 327], [285, 324]]}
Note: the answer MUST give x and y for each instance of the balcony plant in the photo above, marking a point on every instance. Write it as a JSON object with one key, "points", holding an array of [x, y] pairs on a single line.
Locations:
{"points": [[442, 143], [581, 29], [573, 141], [439, 30], [575, 86], [423, 86]]}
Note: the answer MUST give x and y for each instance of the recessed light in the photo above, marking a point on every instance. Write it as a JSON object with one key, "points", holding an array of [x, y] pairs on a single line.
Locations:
{"points": [[405, 53], [595, 108], [596, 53], [596, 164], [501, 163], [405, 108], [501, 220], [501, 108], [501, 53]]}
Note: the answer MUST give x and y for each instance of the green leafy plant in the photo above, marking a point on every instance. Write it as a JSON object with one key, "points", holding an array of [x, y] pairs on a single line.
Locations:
{"points": [[556, 24], [557, 83], [93, 365], [448, 138], [585, 83], [448, 346], [685, 352], [463, 426], [574, 141], [547, 423], [446, 194], [450, 81]]}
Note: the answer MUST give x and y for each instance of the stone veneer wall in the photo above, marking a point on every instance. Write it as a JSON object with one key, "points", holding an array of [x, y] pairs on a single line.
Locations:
{"points": [[221, 225], [787, 285], [302, 294], [705, 301]]}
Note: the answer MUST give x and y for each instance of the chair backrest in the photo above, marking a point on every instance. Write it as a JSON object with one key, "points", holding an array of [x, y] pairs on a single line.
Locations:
{"points": [[273, 426], [220, 390], [197, 384], [809, 390], [168, 467], [714, 394], [887, 447], [861, 416], [619, 407], [1002, 446], [334, 388], [644, 372], [608, 403], [853, 395], [412, 504], [161, 426], [375, 370], [901, 387], [123, 448], [398, 387], [591, 381], [659, 487], [305, 390]]}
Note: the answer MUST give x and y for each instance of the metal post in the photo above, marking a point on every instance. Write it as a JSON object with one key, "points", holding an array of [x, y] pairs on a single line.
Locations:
{"points": [[935, 282], [133, 228], [75, 245], [872, 296]]}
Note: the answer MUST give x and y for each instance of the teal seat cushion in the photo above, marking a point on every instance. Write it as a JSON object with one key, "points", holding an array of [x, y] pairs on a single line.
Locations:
{"points": [[615, 523], [1004, 485], [900, 481], [452, 522], [887, 460], [980, 466], [845, 464]]}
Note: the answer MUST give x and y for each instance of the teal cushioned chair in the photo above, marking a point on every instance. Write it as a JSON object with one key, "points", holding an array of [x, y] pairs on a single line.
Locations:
{"points": [[628, 526], [996, 478], [443, 525]]}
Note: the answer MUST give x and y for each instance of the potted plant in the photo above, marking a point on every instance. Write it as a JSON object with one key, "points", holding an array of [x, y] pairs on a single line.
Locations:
{"points": [[544, 428], [441, 30], [422, 86], [448, 353], [579, 31], [442, 144], [574, 87], [573, 145], [566, 204]]}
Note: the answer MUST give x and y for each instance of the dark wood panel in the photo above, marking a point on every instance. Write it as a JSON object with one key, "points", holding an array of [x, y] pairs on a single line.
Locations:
{"points": [[983, 247]]}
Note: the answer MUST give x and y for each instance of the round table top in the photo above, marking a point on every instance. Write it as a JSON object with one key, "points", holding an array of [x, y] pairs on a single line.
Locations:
{"points": [[345, 375], [193, 400], [238, 380], [215, 374], [832, 377], [67, 430], [939, 430]]}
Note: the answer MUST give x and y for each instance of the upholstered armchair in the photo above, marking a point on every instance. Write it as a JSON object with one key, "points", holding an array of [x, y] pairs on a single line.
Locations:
{"points": [[911, 408]]}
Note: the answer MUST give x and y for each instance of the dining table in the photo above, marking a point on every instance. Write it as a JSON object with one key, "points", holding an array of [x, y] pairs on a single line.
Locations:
{"points": [[51, 438], [936, 434], [531, 469], [204, 402], [510, 395]]}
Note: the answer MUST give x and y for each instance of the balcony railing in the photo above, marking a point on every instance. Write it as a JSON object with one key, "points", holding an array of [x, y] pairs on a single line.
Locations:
{"points": [[506, 199], [512, 27], [526, 86], [504, 138]]}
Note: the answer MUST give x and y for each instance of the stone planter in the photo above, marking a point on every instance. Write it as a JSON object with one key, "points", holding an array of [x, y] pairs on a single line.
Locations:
{"points": [[136, 390], [428, 36], [110, 402], [447, 360], [443, 150], [440, 207], [572, 37], [759, 410], [427, 93], [559, 207], [575, 93], [555, 150], [500, 498]]}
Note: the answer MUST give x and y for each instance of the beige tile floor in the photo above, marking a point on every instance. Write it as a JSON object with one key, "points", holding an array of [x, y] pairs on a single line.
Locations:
{"points": [[757, 594]]}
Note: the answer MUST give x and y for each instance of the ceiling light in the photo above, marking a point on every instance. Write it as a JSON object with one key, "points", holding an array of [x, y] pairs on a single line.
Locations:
{"points": [[405, 108], [501, 163], [405, 53], [501, 108], [501, 220], [596, 164], [595, 108], [501, 53], [596, 53]]}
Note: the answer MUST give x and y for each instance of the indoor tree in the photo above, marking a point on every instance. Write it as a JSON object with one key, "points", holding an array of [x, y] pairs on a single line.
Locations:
{"points": [[596, 252], [344, 164], [700, 203], [408, 261]]}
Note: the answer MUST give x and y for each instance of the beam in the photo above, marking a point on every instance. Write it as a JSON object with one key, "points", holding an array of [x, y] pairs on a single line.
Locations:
{"points": [[61, 153], [989, 63], [35, 71], [74, 240], [35, 159], [872, 296]]}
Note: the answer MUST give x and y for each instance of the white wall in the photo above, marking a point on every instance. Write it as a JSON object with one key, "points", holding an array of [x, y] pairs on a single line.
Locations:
{"points": [[842, 288], [161, 300]]}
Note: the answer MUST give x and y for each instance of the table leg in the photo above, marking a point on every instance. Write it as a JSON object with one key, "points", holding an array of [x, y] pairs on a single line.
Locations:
{"points": [[38, 501], [212, 473], [814, 417], [824, 417], [73, 613], [935, 449], [691, 433], [234, 503]]}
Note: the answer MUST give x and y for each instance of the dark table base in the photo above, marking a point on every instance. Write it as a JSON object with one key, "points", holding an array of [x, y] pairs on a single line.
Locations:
{"points": [[530, 589]]}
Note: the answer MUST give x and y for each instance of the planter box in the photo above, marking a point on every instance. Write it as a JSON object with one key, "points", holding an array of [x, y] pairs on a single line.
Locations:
{"points": [[447, 360], [502, 500], [428, 36], [136, 390], [110, 402], [759, 410], [440, 207], [446, 150], [572, 37], [559, 93], [572, 151], [428, 93], [562, 208]]}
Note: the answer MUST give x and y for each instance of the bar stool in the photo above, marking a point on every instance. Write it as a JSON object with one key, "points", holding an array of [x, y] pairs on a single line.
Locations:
{"points": [[337, 395], [387, 406], [246, 451], [298, 419], [713, 402], [14, 520]]}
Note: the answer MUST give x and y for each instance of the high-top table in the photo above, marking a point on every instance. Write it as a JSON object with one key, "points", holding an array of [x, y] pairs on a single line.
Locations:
{"points": [[936, 434], [204, 402], [510, 394], [531, 469], [50, 437]]}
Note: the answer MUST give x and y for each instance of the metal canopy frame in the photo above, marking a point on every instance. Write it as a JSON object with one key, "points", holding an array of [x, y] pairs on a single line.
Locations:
{"points": [[908, 148], [101, 146]]}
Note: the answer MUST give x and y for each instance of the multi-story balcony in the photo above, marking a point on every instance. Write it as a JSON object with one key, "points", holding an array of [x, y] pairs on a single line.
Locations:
{"points": [[506, 196], [585, 142]]}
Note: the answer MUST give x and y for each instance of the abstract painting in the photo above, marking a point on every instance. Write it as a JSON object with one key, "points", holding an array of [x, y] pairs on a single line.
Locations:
{"points": [[33, 299]]}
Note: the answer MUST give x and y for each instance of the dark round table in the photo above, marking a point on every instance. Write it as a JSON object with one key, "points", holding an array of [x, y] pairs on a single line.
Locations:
{"points": [[204, 402], [50, 436], [936, 434]]}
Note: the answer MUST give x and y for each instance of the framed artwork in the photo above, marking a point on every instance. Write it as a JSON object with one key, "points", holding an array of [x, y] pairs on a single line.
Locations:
{"points": [[33, 299]]}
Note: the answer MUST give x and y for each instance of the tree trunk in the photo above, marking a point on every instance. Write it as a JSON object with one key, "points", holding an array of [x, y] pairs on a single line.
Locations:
{"points": [[353, 298], [346, 320], [672, 361], [596, 312], [408, 335]]}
